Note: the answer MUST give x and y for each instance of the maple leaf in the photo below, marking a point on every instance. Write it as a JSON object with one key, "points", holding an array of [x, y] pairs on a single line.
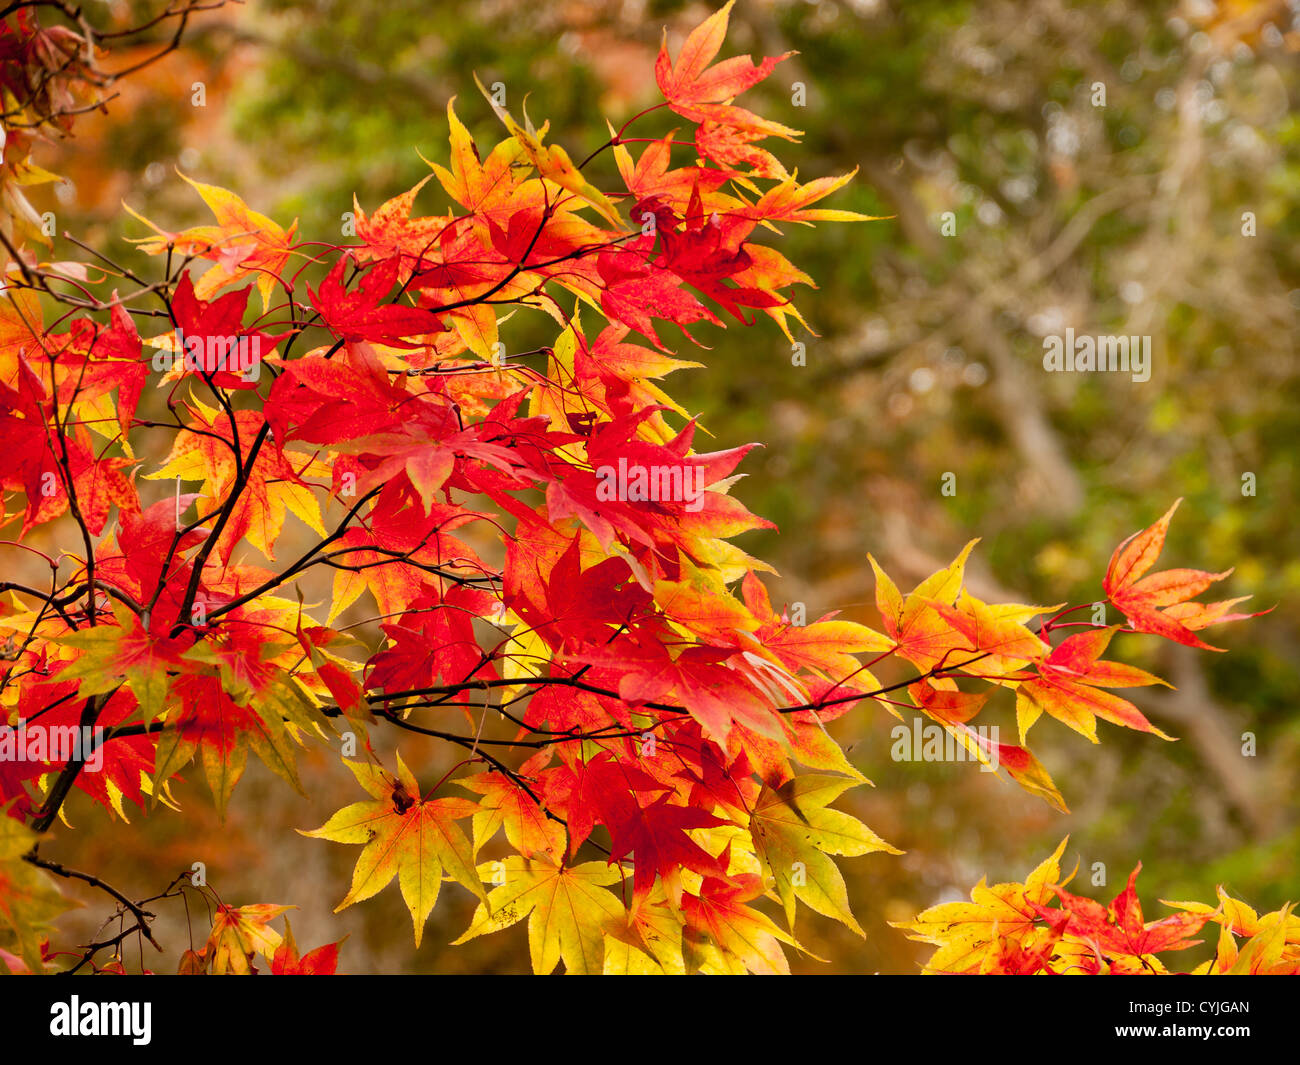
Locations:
{"points": [[210, 339], [146, 552], [650, 177], [489, 190], [642, 670], [941, 700], [505, 804], [658, 842], [650, 943], [395, 555], [122, 765], [44, 476], [968, 934], [390, 233], [210, 723], [323, 961], [435, 643], [568, 910], [793, 832], [696, 90], [403, 835], [1118, 929], [1240, 919], [735, 930], [129, 651], [29, 899], [922, 633], [730, 146], [362, 315], [997, 633], [21, 331], [602, 789], [1158, 603], [635, 291], [790, 202], [1067, 688], [239, 933], [1271, 951], [573, 604], [242, 243], [824, 646], [552, 161], [93, 361], [274, 484]]}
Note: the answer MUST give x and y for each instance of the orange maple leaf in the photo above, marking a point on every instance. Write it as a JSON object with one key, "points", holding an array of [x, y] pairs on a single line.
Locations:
{"points": [[242, 243], [1141, 598], [696, 90], [1067, 683]]}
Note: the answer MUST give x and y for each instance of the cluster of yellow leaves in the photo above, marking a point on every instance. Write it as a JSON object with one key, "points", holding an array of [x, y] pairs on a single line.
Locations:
{"points": [[580, 914], [1272, 945], [1010, 929], [242, 934]]}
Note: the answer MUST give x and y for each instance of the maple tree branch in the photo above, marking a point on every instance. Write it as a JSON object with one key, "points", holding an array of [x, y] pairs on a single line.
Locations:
{"points": [[305, 560], [141, 915], [241, 482], [471, 743], [68, 775]]}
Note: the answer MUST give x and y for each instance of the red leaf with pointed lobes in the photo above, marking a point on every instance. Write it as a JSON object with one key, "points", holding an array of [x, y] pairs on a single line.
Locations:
{"points": [[1067, 683], [601, 790], [362, 314], [435, 643], [657, 841], [696, 90], [118, 766], [93, 361], [216, 345], [650, 177], [505, 804], [323, 961], [390, 232], [635, 291], [577, 605], [1118, 929], [642, 670], [1159, 603]]}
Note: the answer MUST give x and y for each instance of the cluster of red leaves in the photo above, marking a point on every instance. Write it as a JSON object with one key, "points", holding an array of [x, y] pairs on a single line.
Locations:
{"points": [[663, 714]]}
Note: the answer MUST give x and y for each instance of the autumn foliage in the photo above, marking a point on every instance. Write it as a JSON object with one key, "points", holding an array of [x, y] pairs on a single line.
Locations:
{"points": [[546, 557]]}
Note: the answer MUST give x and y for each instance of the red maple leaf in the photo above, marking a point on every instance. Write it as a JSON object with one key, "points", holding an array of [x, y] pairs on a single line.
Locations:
{"points": [[1119, 929], [1158, 603]]}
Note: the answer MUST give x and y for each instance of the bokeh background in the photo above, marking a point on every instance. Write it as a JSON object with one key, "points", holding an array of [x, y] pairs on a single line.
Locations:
{"points": [[1125, 218]]}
